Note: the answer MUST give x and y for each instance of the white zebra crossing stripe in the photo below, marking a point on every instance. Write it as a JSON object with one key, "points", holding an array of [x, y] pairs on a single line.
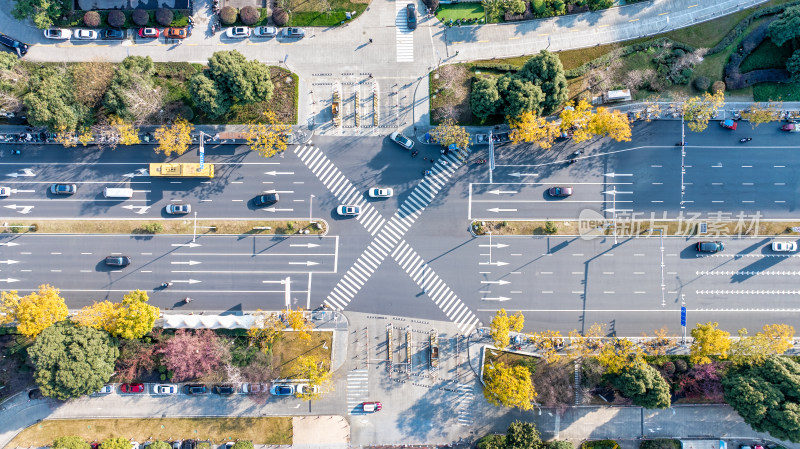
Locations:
{"points": [[466, 396], [357, 389], [404, 37]]}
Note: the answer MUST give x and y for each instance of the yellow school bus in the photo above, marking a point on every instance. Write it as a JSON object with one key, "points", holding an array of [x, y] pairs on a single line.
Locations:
{"points": [[182, 170]]}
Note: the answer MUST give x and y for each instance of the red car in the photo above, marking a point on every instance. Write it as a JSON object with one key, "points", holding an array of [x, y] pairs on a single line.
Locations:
{"points": [[149, 33], [729, 124], [371, 407], [132, 388]]}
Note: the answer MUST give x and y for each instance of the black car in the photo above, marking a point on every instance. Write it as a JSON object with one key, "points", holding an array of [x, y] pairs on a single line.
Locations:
{"points": [[189, 444], [14, 44], [118, 261], [112, 34], [268, 198], [709, 247], [411, 16], [195, 389], [224, 390]]}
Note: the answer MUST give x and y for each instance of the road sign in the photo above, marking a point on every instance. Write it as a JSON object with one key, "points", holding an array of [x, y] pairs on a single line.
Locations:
{"points": [[683, 316], [202, 151], [491, 152]]}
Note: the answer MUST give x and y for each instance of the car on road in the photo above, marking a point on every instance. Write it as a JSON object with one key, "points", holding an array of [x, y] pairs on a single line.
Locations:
{"points": [[118, 261], [791, 127], [729, 124], [265, 31], [195, 389], [107, 389], [224, 390], [380, 192], [238, 32], [411, 16], [148, 33], [165, 389], [176, 33], [63, 189], [282, 390], [294, 32], [559, 191], [784, 247], [112, 34], [58, 33], [254, 388], [402, 140], [132, 388], [4, 192], [371, 407], [348, 211], [19, 47], [178, 208], [307, 389], [84, 34], [709, 247], [268, 198]]}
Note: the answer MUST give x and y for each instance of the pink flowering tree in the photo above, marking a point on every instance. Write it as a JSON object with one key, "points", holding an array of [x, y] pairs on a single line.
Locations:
{"points": [[193, 354]]}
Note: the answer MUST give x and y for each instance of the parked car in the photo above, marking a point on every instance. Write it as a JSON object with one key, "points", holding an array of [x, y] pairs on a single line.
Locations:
{"points": [[63, 189], [195, 389], [132, 388], [783, 247], [729, 124], [371, 407], [411, 16], [189, 444], [265, 31], [177, 444], [238, 32], [710, 247], [559, 191], [118, 261], [307, 389], [58, 33], [178, 208], [106, 389], [282, 390], [112, 34], [4, 192], [165, 389], [380, 192], [254, 388], [352, 210], [84, 34], [268, 198], [17, 46], [294, 32], [791, 127], [402, 140], [148, 33], [224, 390], [176, 33]]}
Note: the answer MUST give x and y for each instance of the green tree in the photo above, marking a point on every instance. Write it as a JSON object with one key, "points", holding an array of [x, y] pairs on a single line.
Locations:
{"points": [[765, 396], [786, 27], [243, 444], [643, 385], [241, 80], [492, 441], [207, 97], [546, 71], [8, 60], [515, 7], [484, 98], [793, 65], [71, 361], [70, 442], [709, 340], [130, 94], [116, 443], [51, 100], [560, 444], [160, 445], [41, 12], [523, 435], [520, 96]]}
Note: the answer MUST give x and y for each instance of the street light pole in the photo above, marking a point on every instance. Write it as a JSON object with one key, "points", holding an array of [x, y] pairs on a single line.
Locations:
{"points": [[194, 232], [310, 203], [683, 159]]}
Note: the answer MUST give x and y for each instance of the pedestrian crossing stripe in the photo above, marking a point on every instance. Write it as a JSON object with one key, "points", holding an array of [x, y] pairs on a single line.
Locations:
{"points": [[404, 37]]}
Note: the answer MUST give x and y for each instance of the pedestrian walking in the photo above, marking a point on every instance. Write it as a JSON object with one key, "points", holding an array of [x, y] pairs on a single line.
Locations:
{"points": [[370, 40]]}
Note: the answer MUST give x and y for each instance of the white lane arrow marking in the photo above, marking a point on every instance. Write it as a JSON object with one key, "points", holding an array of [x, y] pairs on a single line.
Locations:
{"points": [[25, 209], [22, 191], [499, 298], [518, 174], [272, 209], [9, 280], [498, 191], [614, 192], [25, 172], [614, 175], [497, 209], [9, 244], [190, 245], [284, 191], [274, 173], [190, 281], [305, 245], [495, 245], [138, 172], [500, 282], [499, 264], [274, 282], [191, 262], [9, 262], [142, 209], [307, 263]]}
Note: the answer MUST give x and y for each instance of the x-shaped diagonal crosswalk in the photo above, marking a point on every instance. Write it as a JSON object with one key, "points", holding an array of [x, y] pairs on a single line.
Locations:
{"points": [[388, 236]]}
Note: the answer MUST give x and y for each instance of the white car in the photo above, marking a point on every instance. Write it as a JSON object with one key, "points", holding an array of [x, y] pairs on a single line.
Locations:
{"points": [[4, 192], [307, 389], [254, 388], [82, 34], [265, 31], [402, 140], [784, 247], [58, 33], [165, 389], [238, 32], [107, 389], [353, 211], [380, 192]]}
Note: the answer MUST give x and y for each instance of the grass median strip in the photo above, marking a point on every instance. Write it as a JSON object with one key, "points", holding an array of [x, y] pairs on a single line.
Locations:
{"points": [[627, 228], [177, 226], [272, 430]]}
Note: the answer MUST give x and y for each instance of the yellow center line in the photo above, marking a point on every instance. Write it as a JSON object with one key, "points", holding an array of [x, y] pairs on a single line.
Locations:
{"points": [[574, 31], [483, 41], [691, 6], [513, 38], [602, 26], [457, 42], [663, 14], [540, 34], [633, 20], [192, 44]]}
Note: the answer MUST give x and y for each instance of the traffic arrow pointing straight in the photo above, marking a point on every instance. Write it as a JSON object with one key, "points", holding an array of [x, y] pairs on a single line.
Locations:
{"points": [[190, 245], [189, 281], [497, 209], [500, 282], [9, 244], [274, 173], [498, 191], [9, 262], [307, 263], [614, 175], [22, 191], [272, 209], [518, 174], [305, 245], [499, 264], [499, 298], [191, 262], [494, 245], [9, 280]]}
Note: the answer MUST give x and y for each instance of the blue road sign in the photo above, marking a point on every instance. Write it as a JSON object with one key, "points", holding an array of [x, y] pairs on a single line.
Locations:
{"points": [[683, 316]]}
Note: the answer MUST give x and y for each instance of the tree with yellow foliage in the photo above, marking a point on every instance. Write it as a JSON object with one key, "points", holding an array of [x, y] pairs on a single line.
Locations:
{"points": [[448, 133], [266, 330], [508, 386], [296, 319], [620, 355], [531, 128], [759, 114], [614, 124], [658, 343], [99, 315], [34, 312], [575, 118], [774, 339], [268, 138], [66, 137], [708, 340], [502, 325], [130, 319], [319, 377], [174, 138], [85, 136], [586, 344], [697, 111], [128, 134], [547, 343]]}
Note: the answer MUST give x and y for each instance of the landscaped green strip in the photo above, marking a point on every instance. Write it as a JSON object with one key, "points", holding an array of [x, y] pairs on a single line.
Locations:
{"points": [[455, 11], [170, 226], [637, 228]]}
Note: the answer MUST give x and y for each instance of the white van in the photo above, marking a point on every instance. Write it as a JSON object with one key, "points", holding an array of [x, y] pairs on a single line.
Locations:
{"points": [[117, 192]]}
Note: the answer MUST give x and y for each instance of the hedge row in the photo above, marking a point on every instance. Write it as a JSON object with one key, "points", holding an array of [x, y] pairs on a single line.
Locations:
{"points": [[735, 79], [625, 51], [135, 18], [742, 26], [499, 66]]}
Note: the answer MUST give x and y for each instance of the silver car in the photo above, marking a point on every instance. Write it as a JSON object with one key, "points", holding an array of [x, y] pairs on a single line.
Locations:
{"points": [[238, 32], [265, 31], [402, 140], [58, 33], [165, 389], [345, 210], [82, 34], [178, 208], [380, 192], [784, 247]]}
